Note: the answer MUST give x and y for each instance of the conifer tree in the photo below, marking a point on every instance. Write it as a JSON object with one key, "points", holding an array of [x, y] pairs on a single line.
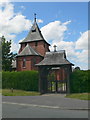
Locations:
{"points": [[7, 55], [0, 55]]}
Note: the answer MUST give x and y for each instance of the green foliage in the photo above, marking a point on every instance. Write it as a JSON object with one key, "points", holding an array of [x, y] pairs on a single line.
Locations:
{"points": [[51, 77], [79, 81], [81, 96], [0, 80], [25, 80], [0, 55], [8, 92], [7, 55]]}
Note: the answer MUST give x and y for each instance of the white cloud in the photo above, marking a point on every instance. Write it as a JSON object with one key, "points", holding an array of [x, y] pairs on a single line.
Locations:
{"points": [[82, 56], [67, 22], [2, 2], [76, 51], [18, 24], [82, 42], [14, 47], [54, 31], [39, 21], [12, 23]]}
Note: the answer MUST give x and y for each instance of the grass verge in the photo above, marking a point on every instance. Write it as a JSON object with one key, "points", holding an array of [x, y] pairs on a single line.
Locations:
{"points": [[8, 92], [81, 96]]}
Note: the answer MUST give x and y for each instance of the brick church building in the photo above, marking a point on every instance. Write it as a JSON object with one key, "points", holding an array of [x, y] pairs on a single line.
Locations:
{"points": [[32, 49]]}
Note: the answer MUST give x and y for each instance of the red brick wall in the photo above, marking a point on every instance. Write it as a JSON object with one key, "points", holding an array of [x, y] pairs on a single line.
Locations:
{"points": [[29, 63], [42, 47]]}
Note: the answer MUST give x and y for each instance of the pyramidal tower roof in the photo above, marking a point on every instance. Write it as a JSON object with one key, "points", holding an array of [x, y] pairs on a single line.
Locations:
{"points": [[34, 34]]}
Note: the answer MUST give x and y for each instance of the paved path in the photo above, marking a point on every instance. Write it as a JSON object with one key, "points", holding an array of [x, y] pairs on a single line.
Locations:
{"points": [[58, 101]]}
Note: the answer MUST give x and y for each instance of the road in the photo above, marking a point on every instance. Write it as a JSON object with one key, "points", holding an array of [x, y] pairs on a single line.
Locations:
{"points": [[45, 106], [49, 100], [19, 110]]}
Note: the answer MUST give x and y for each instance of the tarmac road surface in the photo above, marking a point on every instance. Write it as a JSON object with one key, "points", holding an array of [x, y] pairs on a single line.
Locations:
{"points": [[45, 106], [17, 110]]}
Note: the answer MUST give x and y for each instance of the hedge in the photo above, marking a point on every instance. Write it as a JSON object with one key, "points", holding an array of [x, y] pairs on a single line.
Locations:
{"points": [[25, 80], [28, 80], [79, 81]]}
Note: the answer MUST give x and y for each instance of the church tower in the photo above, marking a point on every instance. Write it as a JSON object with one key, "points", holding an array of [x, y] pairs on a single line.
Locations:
{"points": [[36, 40], [32, 49]]}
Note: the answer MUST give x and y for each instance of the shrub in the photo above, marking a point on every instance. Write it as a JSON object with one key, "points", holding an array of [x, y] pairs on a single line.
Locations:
{"points": [[25, 80], [79, 81]]}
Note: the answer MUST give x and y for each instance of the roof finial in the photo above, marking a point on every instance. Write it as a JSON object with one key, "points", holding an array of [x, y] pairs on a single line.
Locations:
{"points": [[35, 17], [55, 48]]}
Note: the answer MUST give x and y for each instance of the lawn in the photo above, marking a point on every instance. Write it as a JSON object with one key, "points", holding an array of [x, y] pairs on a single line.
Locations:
{"points": [[8, 92], [81, 96]]}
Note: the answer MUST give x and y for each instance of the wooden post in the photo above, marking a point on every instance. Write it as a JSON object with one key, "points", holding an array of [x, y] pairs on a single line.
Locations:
{"points": [[43, 83], [68, 78], [40, 80]]}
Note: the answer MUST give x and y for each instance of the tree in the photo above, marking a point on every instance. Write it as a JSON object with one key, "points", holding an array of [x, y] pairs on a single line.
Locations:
{"points": [[76, 68], [0, 55], [7, 55]]}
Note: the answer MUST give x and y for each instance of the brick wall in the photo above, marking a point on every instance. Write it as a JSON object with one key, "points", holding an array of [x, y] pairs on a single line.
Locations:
{"points": [[30, 63], [41, 47]]}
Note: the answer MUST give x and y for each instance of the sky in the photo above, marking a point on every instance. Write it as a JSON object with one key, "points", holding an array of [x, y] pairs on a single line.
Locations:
{"points": [[64, 24]]}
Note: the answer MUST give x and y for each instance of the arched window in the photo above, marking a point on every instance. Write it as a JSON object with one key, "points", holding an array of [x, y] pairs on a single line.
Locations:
{"points": [[24, 62]]}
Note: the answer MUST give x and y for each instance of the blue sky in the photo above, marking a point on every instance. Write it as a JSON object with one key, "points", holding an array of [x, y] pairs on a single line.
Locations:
{"points": [[62, 23], [77, 12]]}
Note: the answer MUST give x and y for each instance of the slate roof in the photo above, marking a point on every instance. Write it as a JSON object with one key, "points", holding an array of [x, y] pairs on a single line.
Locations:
{"points": [[55, 58], [28, 50], [34, 34]]}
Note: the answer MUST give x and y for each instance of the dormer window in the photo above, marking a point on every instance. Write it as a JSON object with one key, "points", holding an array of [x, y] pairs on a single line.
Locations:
{"points": [[33, 30]]}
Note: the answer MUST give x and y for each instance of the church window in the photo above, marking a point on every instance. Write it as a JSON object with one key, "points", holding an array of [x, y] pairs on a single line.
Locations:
{"points": [[36, 43], [24, 62]]}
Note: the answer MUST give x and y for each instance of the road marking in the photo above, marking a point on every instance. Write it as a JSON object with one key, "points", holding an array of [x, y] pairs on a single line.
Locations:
{"points": [[34, 105], [45, 106]]}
